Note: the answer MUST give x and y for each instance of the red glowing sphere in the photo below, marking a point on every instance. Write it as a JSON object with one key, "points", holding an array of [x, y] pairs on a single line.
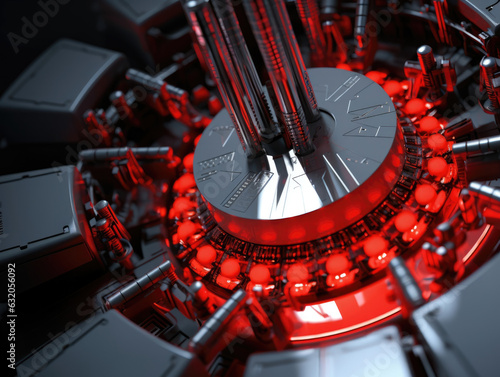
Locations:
{"points": [[405, 220], [425, 194], [438, 143], [186, 230], [297, 273], [188, 162], [375, 245], [206, 255], [393, 88], [429, 124], [344, 66], [182, 204], [184, 183], [376, 76], [415, 106], [337, 264], [196, 141], [438, 167], [230, 268], [259, 274]]}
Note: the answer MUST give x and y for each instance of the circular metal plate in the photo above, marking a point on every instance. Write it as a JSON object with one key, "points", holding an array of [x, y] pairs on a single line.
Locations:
{"points": [[286, 199]]}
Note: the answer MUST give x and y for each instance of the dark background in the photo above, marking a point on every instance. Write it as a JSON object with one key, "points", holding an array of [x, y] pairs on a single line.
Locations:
{"points": [[77, 19]]}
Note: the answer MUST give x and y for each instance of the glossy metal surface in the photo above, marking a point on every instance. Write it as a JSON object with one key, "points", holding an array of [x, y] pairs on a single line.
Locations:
{"points": [[245, 67], [293, 197], [215, 51], [271, 44]]}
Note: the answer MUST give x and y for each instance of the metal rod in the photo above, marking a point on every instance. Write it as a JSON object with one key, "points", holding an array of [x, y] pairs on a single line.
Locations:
{"points": [[105, 211], [215, 51], [158, 85], [208, 339], [245, 66], [329, 8], [270, 44], [109, 154], [292, 51], [405, 285], [309, 15], [139, 285], [478, 146], [489, 193], [362, 10], [443, 29], [427, 64], [489, 68]]}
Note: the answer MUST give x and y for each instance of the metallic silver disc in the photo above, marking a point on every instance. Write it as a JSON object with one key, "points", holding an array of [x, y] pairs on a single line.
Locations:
{"points": [[280, 198]]}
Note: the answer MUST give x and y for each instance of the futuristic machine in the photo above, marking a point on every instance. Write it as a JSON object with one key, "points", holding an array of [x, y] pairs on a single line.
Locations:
{"points": [[251, 188]]}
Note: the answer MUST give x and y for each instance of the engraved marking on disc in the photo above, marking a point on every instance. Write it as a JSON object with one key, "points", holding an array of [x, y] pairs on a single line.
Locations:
{"points": [[249, 189], [348, 170], [368, 112], [207, 175], [224, 131], [348, 84], [332, 169], [212, 162], [232, 173], [371, 131]]}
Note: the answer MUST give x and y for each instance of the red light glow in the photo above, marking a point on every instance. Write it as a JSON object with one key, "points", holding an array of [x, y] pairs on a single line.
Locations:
{"points": [[337, 264], [438, 167], [186, 230], [429, 124], [376, 76], [297, 273], [184, 183], [437, 143], [326, 225], [375, 245], [425, 194], [415, 106], [268, 236], [405, 221], [206, 255], [260, 274], [297, 233], [181, 205], [230, 268], [197, 140], [188, 162], [233, 227], [393, 88], [344, 66]]}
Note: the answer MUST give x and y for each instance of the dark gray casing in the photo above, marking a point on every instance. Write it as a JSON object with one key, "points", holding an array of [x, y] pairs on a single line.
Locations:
{"points": [[460, 329], [112, 345], [149, 31], [379, 353], [44, 230], [483, 13], [47, 102]]}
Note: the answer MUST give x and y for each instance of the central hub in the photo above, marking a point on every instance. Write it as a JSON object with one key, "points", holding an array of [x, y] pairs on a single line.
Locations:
{"points": [[284, 199]]}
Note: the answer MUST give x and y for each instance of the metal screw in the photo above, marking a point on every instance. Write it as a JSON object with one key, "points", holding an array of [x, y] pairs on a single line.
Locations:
{"points": [[489, 67], [428, 64]]}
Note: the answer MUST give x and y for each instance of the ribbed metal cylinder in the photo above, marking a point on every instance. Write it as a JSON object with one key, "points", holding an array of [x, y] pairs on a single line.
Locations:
{"points": [[244, 64], [216, 54], [489, 68], [265, 29]]}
